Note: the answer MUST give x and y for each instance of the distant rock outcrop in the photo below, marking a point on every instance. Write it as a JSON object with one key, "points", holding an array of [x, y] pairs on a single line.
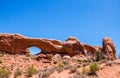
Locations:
{"points": [[89, 48], [15, 43], [73, 46], [18, 44], [109, 48]]}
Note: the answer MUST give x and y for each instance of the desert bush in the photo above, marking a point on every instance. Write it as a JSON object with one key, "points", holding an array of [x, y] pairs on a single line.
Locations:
{"points": [[56, 59], [4, 73], [73, 69], [93, 68], [67, 67], [31, 71], [99, 56], [0, 61], [78, 60], [46, 72], [85, 70], [25, 58], [1, 55], [85, 60], [65, 61], [109, 63], [61, 65], [34, 57], [78, 75], [27, 54], [17, 73]]}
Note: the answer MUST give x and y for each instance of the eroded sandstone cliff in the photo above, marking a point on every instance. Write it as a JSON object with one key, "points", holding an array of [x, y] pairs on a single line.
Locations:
{"points": [[18, 44]]}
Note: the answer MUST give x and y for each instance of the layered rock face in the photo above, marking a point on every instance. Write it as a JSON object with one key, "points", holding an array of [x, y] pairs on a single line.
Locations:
{"points": [[18, 44], [72, 46], [15, 43], [109, 48]]}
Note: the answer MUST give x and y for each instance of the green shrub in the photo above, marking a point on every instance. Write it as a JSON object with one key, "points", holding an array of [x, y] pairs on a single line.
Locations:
{"points": [[85, 61], [31, 71], [17, 73], [61, 65], [93, 68], [28, 54], [78, 60], [99, 56], [4, 73]]}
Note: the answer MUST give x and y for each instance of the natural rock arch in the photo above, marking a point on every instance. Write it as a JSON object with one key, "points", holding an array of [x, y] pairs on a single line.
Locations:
{"points": [[18, 44], [34, 50], [15, 43]]}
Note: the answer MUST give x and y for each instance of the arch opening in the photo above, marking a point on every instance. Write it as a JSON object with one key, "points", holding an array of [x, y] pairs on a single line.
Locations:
{"points": [[34, 50]]}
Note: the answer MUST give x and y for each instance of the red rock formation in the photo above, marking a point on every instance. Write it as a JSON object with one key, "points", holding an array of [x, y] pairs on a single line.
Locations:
{"points": [[72, 46], [15, 43], [109, 48], [19, 44], [89, 48]]}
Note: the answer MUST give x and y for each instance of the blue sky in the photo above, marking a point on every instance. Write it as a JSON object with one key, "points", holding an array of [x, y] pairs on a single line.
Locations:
{"points": [[88, 20]]}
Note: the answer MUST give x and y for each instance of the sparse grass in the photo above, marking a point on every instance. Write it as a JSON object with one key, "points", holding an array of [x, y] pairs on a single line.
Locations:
{"points": [[93, 68], [17, 73], [73, 69], [4, 73], [26, 58], [56, 59], [0, 61], [1, 55], [28, 54], [85, 70], [78, 75], [31, 71], [99, 56], [78, 60], [61, 65], [46, 72], [65, 62], [33, 57], [11, 67], [85, 61], [109, 64]]}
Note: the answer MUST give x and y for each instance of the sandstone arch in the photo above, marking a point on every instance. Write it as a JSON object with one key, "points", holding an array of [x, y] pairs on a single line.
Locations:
{"points": [[15, 43], [34, 50], [18, 44]]}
